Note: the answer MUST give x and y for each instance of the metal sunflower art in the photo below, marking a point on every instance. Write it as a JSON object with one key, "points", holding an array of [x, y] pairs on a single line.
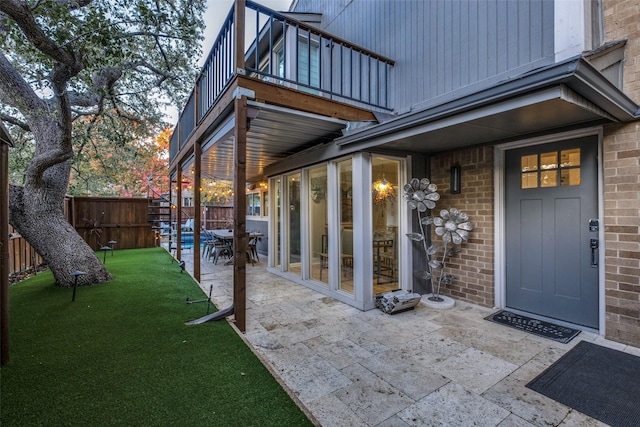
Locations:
{"points": [[452, 225]]}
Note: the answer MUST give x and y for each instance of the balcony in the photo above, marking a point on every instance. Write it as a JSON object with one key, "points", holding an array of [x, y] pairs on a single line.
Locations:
{"points": [[306, 85]]}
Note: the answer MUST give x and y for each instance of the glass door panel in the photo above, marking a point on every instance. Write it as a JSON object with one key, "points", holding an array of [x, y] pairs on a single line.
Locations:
{"points": [[345, 184], [385, 208], [293, 223], [318, 217], [274, 185]]}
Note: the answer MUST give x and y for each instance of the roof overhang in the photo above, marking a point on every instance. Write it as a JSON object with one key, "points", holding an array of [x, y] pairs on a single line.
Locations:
{"points": [[563, 95]]}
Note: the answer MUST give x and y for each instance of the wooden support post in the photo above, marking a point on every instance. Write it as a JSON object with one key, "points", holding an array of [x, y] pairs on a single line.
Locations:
{"points": [[239, 214], [239, 181], [197, 223], [178, 241]]}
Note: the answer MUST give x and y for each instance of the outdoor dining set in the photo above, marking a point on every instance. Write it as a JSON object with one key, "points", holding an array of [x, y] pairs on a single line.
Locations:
{"points": [[219, 243]]}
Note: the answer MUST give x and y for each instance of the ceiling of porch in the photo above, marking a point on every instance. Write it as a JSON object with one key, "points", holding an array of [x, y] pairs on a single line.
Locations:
{"points": [[274, 133]]}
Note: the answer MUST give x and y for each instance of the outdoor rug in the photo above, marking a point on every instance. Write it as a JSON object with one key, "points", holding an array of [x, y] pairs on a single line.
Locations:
{"points": [[597, 381], [537, 327]]}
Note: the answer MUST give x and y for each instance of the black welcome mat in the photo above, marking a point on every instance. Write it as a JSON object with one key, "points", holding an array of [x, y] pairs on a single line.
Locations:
{"points": [[537, 327], [597, 381]]}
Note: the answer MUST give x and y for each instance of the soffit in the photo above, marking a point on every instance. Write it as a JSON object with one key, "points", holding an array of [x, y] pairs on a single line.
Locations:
{"points": [[274, 133], [543, 111]]}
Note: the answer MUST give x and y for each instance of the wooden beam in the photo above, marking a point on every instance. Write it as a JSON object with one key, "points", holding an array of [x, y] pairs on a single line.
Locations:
{"points": [[271, 93]]}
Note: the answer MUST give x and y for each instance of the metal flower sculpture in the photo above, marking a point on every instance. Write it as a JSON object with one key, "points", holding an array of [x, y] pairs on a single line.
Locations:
{"points": [[453, 225], [421, 194]]}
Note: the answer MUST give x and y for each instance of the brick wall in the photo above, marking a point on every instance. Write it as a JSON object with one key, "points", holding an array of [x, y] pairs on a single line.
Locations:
{"points": [[473, 266], [621, 151]]}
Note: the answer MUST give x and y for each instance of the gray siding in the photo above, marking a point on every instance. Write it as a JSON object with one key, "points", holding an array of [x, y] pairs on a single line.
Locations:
{"points": [[444, 47]]}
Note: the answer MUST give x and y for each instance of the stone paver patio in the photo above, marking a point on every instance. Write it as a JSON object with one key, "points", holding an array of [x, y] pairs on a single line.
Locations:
{"points": [[418, 368]]}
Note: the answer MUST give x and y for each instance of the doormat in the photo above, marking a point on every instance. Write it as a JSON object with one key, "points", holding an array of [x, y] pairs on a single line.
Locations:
{"points": [[537, 327], [597, 381]]}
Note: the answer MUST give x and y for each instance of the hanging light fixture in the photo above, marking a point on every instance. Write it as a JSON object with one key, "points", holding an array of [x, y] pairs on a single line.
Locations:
{"points": [[382, 190]]}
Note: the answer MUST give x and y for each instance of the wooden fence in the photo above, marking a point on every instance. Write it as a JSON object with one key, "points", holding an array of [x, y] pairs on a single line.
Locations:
{"points": [[22, 256], [99, 220]]}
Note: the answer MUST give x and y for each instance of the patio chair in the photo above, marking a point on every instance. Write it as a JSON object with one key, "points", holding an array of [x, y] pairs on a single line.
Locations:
{"points": [[219, 248], [188, 225], [252, 248], [208, 243]]}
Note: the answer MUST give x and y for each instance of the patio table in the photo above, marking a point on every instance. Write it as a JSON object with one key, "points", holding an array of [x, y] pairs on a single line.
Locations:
{"points": [[226, 235]]}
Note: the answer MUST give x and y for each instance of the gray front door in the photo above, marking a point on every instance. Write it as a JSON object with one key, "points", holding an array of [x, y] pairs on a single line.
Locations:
{"points": [[551, 202]]}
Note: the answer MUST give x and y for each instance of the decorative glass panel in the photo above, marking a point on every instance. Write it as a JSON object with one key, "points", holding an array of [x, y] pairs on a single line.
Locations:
{"points": [[530, 180], [549, 161], [529, 163], [570, 176], [549, 178], [569, 158], [569, 165]]}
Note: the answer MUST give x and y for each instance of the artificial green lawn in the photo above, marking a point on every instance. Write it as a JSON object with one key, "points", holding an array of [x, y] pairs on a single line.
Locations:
{"points": [[121, 355]]}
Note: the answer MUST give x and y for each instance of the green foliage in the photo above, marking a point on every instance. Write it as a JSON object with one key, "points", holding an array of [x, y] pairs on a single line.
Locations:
{"points": [[148, 41], [132, 58], [120, 355]]}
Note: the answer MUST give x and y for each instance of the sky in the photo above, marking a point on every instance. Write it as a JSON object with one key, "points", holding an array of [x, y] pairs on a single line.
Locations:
{"points": [[214, 16], [217, 11]]}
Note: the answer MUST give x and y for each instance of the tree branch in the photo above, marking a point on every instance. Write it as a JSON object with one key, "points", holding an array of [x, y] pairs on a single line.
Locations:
{"points": [[74, 4], [103, 83], [10, 119], [43, 161], [15, 91], [20, 12]]}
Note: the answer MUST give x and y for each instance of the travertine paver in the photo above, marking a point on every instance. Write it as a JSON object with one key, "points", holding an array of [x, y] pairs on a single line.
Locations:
{"points": [[475, 369], [453, 405], [369, 396], [420, 368]]}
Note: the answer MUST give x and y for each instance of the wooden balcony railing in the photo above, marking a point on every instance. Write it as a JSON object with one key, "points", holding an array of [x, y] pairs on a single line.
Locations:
{"points": [[290, 53]]}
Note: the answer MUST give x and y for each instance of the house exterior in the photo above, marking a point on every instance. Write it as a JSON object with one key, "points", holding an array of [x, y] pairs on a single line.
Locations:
{"points": [[523, 114]]}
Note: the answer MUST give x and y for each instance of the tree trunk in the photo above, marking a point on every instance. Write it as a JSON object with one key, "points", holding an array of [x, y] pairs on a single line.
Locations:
{"points": [[37, 214]]}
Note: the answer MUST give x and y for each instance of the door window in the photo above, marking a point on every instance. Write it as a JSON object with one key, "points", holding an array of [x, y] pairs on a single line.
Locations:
{"points": [[550, 169]]}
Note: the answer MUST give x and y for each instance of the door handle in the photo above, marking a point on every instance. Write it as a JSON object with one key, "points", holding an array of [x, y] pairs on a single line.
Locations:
{"points": [[593, 244]]}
